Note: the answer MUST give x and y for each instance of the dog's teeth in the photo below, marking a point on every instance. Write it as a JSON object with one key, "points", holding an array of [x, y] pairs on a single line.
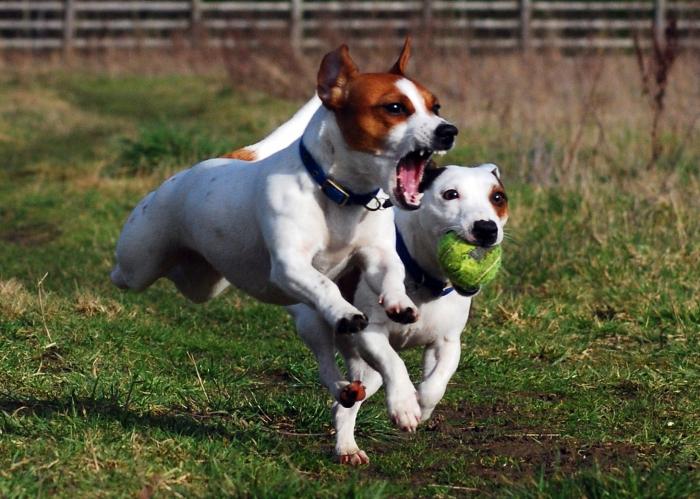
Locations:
{"points": [[440, 153]]}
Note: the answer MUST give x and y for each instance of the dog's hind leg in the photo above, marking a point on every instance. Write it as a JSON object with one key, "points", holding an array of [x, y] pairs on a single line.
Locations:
{"points": [[142, 254], [195, 278], [346, 447], [319, 337]]}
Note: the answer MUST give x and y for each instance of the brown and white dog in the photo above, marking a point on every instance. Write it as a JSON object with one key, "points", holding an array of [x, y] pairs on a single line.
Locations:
{"points": [[470, 201], [282, 228]]}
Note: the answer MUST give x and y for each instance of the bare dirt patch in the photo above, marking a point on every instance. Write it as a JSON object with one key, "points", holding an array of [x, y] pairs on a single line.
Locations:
{"points": [[500, 447], [34, 234]]}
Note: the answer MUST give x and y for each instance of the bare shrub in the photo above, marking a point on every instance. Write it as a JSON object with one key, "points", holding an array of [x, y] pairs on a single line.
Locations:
{"points": [[655, 71]]}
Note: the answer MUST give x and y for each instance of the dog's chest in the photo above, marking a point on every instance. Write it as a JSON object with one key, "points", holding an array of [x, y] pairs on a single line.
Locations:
{"points": [[341, 234], [331, 262], [335, 249], [437, 319]]}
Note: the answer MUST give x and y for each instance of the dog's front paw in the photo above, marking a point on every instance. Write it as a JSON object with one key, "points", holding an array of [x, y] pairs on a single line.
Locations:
{"points": [[405, 412], [401, 310], [405, 316], [354, 458], [354, 392], [351, 324]]}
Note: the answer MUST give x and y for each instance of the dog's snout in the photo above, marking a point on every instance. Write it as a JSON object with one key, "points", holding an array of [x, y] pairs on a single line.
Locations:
{"points": [[485, 232], [445, 136], [446, 131]]}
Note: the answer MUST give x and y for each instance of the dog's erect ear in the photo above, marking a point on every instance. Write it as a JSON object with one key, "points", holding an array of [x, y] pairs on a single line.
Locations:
{"points": [[399, 67], [337, 69]]}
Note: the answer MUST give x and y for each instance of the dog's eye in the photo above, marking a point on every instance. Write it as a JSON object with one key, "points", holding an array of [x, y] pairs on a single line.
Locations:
{"points": [[395, 108], [436, 109], [499, 198], [450, 194]]}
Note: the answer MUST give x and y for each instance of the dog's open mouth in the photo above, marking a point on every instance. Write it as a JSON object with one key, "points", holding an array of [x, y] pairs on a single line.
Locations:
{"points": [[409, 173]]}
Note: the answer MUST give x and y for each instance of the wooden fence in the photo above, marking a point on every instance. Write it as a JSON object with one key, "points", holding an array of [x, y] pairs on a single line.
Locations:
{"points": [[495, 24]]}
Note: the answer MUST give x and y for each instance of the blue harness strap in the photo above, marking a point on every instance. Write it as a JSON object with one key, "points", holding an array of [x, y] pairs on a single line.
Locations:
{"points": [[333, 191], [435, 286]]}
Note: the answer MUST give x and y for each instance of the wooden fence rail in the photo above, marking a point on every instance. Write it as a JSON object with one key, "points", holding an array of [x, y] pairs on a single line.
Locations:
{"points": [[497, 24]]}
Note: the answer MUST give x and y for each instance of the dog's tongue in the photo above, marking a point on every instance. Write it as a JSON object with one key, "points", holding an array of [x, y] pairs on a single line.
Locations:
{"points": [[409, 174]]}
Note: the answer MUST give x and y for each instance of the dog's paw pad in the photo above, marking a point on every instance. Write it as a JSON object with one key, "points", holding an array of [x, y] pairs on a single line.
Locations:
{"points": [[352, 393], [406, 316], [355, 459], [353, 324]]}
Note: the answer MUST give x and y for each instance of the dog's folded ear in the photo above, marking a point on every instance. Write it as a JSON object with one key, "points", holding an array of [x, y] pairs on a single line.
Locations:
{"points": [[492, 169], [399, 67], [337, 69]]}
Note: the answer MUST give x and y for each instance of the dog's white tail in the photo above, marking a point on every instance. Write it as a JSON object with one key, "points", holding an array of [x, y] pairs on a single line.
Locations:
{"points": [[284, 135]]}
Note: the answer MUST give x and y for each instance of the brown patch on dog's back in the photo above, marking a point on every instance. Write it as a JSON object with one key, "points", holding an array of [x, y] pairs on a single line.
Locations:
{"points": [[244, 154]]}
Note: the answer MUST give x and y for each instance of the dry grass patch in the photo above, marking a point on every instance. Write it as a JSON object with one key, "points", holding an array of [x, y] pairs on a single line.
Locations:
{"points": [[14, 299], [90, 305]]}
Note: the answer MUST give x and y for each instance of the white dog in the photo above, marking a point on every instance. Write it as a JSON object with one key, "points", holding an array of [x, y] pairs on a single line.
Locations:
{"points": [[284, 227], [470, 201]]}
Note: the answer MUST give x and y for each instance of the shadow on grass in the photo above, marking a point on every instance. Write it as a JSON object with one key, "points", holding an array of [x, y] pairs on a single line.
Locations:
{"points": [[171, 420]]}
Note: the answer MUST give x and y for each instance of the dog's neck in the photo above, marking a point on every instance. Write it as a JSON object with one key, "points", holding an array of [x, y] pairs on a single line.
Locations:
{"points": [[420, 243], [354, 170]]}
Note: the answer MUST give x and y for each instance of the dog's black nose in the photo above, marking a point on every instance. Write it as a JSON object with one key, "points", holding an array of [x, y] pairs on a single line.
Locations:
{"points": [[445, 136], [485, 232]]}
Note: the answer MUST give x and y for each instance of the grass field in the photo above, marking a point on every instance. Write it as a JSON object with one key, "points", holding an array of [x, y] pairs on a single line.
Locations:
{"points": [[581, 364]]}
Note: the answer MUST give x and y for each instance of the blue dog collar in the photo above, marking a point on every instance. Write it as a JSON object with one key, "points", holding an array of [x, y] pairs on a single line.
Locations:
{"points": [[333, 191], [435, 286]]}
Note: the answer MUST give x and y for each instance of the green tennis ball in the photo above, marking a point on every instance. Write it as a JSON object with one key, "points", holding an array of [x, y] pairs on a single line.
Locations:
{"points": [[466, 265]]}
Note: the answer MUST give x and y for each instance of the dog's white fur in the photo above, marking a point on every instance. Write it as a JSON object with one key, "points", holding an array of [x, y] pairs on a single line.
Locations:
{"points": [[371, 356], [268, 229]]}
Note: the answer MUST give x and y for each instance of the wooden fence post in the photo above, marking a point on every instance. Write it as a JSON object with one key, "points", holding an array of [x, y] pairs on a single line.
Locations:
{"points": [[660, 22], [525, 14], [195, 22], [427, 14], [427, 23], [296, 28], [68, 25]]}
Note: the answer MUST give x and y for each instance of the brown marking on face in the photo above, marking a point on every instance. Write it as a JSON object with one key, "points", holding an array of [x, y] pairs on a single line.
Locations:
{"points": [[359, 99], [499, 200], [244, 154], [430, 100], [364, 119]]}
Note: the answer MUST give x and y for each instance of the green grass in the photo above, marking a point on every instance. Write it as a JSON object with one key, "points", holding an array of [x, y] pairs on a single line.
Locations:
{"points": [[580, 367]]}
